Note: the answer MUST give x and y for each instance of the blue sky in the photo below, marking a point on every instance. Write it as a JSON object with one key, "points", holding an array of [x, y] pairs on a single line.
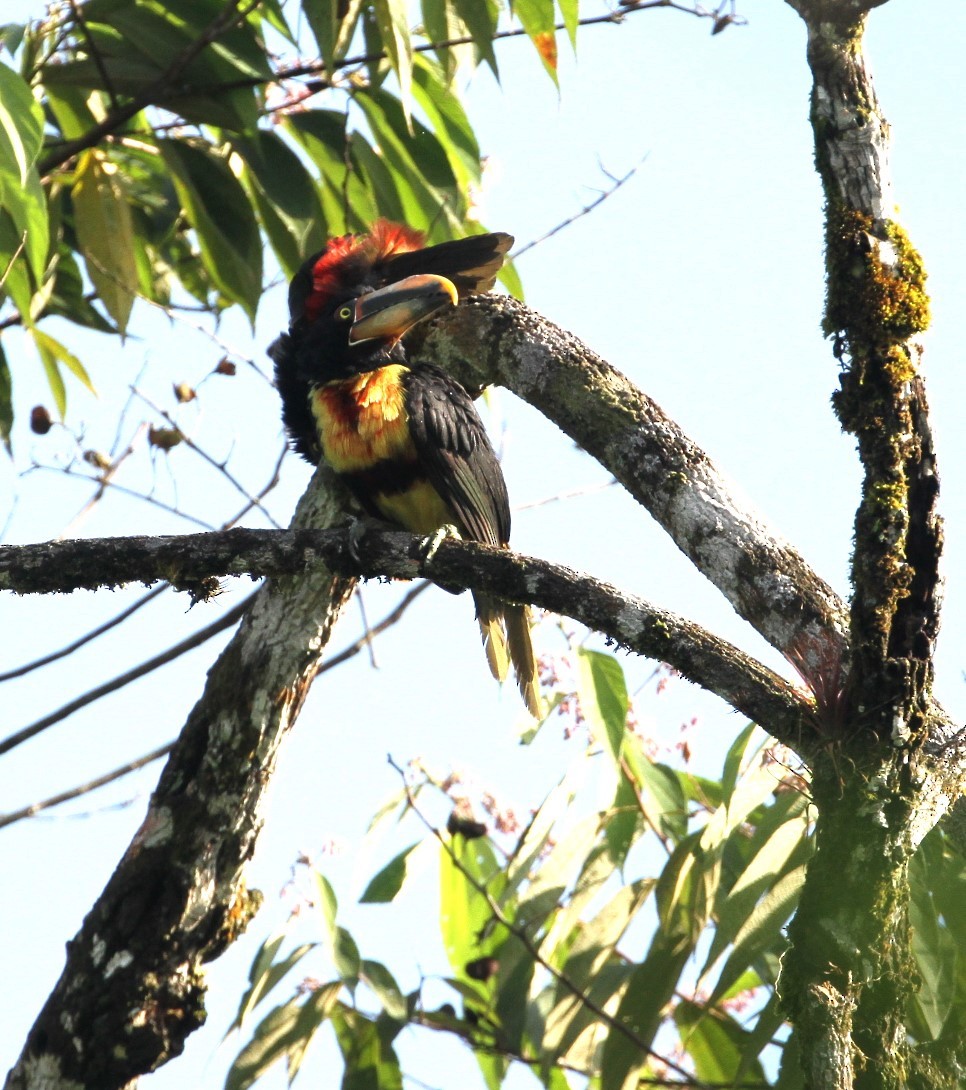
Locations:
{"points": [[701, 279]]}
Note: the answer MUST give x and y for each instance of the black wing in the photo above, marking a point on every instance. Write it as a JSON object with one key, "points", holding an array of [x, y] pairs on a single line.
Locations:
{"points": [[293, 388], [456, 455], [470, 263]]}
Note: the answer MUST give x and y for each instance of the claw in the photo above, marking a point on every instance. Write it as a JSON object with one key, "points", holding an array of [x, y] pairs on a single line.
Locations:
{"points": [[433, 541], [357, 531]]}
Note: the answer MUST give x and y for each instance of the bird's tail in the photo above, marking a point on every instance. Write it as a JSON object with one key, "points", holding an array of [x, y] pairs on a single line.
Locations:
{"points": [[506, 640]]}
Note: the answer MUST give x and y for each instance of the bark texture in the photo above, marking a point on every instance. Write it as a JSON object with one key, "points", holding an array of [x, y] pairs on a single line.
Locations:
{"points": [[373, 551], [850, 973], [133, 986], [496, 339]]}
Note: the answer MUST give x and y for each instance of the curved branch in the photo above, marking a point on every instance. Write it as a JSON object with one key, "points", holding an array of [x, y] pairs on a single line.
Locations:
{"points": [[631, 622], [497, 339]]}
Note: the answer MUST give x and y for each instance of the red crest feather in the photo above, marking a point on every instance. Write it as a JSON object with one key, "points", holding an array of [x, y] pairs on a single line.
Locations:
{"points": [[348, 259]]}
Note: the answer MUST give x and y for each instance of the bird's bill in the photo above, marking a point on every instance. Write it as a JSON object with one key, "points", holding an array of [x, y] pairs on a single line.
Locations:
{"points": [[388, 313]]}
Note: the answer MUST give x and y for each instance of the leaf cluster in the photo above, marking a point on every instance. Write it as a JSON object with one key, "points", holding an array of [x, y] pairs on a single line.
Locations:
{"points": [[150, 150]]}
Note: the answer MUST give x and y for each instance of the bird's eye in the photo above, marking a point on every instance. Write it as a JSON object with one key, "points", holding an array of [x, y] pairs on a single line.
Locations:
{"points": [[344, 313]]}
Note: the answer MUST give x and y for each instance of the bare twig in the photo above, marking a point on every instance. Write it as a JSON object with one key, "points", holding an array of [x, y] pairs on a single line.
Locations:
{"points": [[567, 494], [119, 618], [69, 471], [85, 788], [616, 183], [195, 640], [221, 467], [350, 651], [95, 54]]}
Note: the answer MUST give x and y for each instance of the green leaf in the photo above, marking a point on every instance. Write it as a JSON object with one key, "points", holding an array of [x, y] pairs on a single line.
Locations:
{"points": [[270, 1043], [449, 121], [660, 791], [513, 982], [464, 913], [603, 698], [762, 930], [221, 214], [370, 1061], [265, 973], [423, 175], [537, 19], [570, 1017], [480, 18], [6, 401], [571, 15], [547, 883], [346, 200], [510, 279], [624, 821], [322, 20], [285, 197], [105, 234], [536, 835], [345, 955], [14, 277], [716, 1045], [284, 1033], [389, 881], [21, 125], [935, 950], [68, 299], [332, 33], [21, 195], [597, 870], [686, 887], [393, 19], [735, 759], [326, 901], [641, 1011], [767, 864], [11, 36], [383, 983], [54, 355]]}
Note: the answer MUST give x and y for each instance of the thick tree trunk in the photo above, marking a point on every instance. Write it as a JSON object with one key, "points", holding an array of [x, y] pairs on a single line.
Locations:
{"points": [[849, 975], [133, 986]]}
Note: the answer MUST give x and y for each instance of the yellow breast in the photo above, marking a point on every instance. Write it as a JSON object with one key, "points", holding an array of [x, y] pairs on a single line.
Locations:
{"points": [[363, 420]]}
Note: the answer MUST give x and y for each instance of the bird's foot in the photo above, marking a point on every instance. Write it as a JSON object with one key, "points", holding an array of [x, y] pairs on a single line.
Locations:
{"points": [[432, 542], [357, 531]]}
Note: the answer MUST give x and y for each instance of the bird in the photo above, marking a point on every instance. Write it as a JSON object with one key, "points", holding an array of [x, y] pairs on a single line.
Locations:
{"points": [[404, 438]]}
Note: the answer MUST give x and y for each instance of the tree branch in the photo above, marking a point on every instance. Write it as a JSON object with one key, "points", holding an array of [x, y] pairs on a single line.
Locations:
{"points": [[497, 339], [630, 622], [133, 986]]}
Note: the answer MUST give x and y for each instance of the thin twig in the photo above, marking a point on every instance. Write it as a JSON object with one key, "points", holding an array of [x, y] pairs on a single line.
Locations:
{"points": [[69, 471], [104, 480], [195, 640], [616, 184], [29, 667], [348, 652], [95, 54], [568, 494], [213, 462], [85, 788], [263, 491]]}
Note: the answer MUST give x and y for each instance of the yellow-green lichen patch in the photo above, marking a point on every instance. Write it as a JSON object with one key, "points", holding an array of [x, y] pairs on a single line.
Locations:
{"points": [[876, 286]]}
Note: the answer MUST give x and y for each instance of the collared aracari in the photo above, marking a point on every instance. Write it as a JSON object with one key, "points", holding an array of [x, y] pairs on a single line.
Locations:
{"points": [[407, 441]]}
